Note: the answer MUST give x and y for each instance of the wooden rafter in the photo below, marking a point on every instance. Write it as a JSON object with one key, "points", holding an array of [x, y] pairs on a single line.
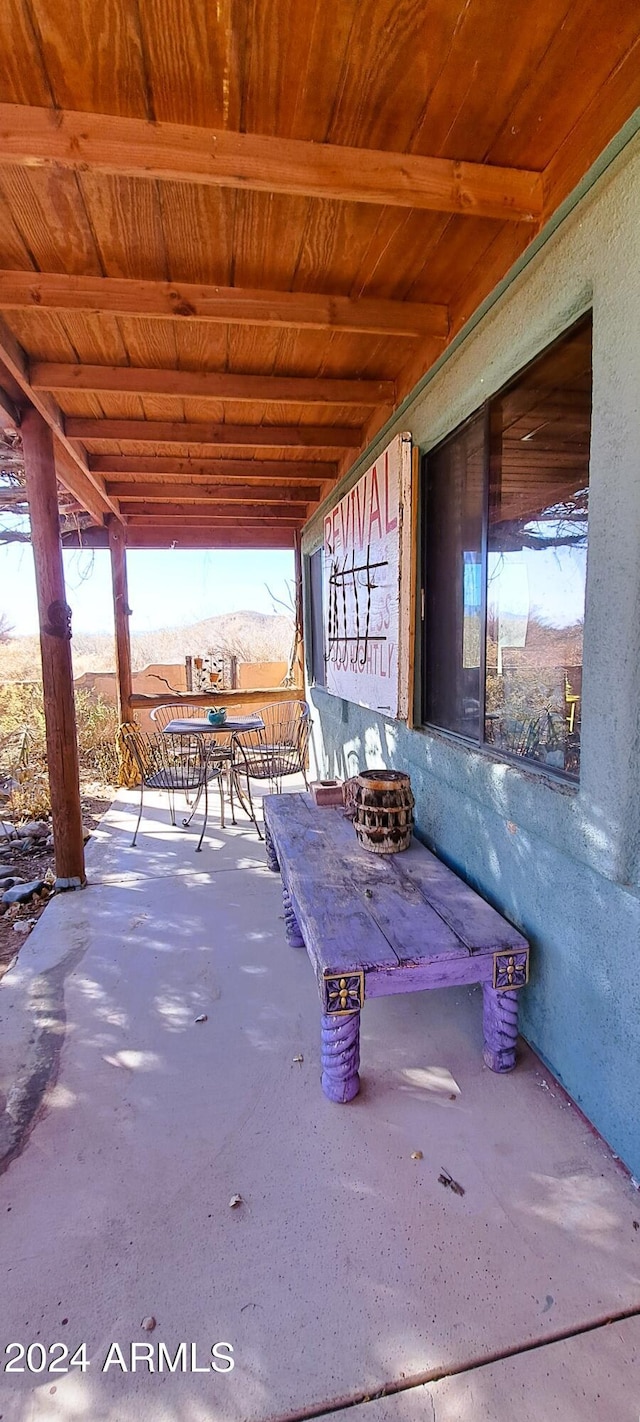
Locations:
{"points": [[242, 522], [134, 467], [81, 485], [294, 512], [10, 412], [181, 153], [151, 197], [231, 533], [168, 492], [72, 468], [237, 531], [53, 291], [274, 535], [304, 437], [209, 385]]}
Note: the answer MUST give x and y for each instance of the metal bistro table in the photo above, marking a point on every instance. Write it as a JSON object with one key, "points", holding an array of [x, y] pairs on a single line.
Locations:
{"points": [[233, 725]]}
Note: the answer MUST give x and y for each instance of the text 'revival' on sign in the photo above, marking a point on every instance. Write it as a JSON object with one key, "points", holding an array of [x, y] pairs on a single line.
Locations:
{"points": [[366, 592]]}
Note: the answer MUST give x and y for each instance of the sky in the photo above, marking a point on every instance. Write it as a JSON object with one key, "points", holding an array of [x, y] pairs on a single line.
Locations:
{"points": [[171, 588], [544, 583], [175, 588]]}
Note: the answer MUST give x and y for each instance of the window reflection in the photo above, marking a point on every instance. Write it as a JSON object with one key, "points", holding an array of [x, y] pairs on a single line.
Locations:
{"points": [[537, 552], [454, 580]]}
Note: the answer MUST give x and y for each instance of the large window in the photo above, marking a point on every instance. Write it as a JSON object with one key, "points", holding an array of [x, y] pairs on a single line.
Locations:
{"points": [[505, 547]]}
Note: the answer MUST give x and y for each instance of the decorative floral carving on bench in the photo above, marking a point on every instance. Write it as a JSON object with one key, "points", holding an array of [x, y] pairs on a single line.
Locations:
{"points": [[343, 992], [510, 970]]}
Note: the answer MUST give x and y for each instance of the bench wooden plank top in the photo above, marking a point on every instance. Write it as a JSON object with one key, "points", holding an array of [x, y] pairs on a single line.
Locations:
{"points": [[319, 842], [379, 924]]}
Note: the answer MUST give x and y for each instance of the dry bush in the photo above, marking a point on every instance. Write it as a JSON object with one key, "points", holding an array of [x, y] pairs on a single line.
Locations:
{"points": [[97, 730], [23, 750], [20, 659], [22, 729], [30, 799]]}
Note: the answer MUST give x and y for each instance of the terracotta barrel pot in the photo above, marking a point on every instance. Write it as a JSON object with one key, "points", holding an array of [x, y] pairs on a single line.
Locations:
{"points": [[384, 811]]}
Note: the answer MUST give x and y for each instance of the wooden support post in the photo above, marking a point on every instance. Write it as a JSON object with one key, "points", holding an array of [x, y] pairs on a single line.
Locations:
{"points": [[121, 614], [55, 646]]}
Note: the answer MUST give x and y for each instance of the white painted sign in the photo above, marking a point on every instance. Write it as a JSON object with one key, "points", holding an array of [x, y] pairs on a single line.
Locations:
{"points": [[367, 567]]}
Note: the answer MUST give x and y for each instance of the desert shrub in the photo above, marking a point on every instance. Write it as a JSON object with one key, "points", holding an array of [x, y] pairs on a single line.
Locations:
{"points": [[23, 758], [22, 713], [23, 750], [97, 722], [29, 799], [22, 731]]}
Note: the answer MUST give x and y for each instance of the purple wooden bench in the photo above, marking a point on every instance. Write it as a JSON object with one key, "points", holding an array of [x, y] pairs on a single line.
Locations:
{"points": [[374, 925]]}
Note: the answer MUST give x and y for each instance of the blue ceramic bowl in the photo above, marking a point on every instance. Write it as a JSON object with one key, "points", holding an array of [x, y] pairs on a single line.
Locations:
{"points": [[217, 717]]}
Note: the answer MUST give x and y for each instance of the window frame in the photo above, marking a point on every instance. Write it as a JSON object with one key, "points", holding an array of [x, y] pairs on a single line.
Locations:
{"points": [[315, 655], [482, 410], [553, 773]]}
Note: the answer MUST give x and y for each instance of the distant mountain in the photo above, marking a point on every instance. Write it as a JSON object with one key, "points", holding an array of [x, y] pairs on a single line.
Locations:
{"points": [[251, 636]]}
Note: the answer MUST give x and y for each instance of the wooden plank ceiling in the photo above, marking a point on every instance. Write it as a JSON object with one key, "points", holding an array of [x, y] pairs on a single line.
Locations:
{"points": [[233, 237]]}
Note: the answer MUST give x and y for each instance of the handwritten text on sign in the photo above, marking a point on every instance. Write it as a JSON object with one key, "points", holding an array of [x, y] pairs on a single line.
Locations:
{"points": [[362, 579]]}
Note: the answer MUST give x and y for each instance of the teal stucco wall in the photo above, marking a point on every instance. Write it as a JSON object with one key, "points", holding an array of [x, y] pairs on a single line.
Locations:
{"points": [[562, 862]]}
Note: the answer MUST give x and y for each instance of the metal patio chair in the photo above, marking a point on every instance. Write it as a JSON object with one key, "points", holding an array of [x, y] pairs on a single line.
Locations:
{"points": [[173, 763], [533, 737], [219, 753], [162, 715], [277, 750]]}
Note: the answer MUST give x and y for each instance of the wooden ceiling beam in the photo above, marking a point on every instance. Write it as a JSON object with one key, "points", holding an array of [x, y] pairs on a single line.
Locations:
{"points": [[292, 512], [167, 491], [304, 437], [132, 467], [72, 468], [78, 483], [180, 153], [10, 412], [208, 385], [276, 536], [209, 535], [175, 522], [202, 519], [54, 291], [157, 537]]}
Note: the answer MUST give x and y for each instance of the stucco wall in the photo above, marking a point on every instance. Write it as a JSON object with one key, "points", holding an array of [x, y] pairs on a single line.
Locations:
{"points": [[154, 680], [562, 862], [255, 675]]}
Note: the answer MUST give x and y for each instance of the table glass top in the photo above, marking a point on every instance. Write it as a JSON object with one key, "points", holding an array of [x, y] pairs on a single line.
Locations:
{"points": [[197, 725]]}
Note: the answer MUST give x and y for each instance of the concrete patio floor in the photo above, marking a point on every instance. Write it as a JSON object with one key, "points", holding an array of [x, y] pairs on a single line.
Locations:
{"points": [[347, 1268]]}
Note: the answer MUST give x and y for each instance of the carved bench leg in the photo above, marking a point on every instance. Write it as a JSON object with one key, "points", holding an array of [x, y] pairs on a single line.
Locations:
{"points": [[291, 925], [500, 1026], [340, 1051], [272, 858]]}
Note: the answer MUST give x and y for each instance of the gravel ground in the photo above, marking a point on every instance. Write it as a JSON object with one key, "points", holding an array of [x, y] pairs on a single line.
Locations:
{"points": [[95, 802]]}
